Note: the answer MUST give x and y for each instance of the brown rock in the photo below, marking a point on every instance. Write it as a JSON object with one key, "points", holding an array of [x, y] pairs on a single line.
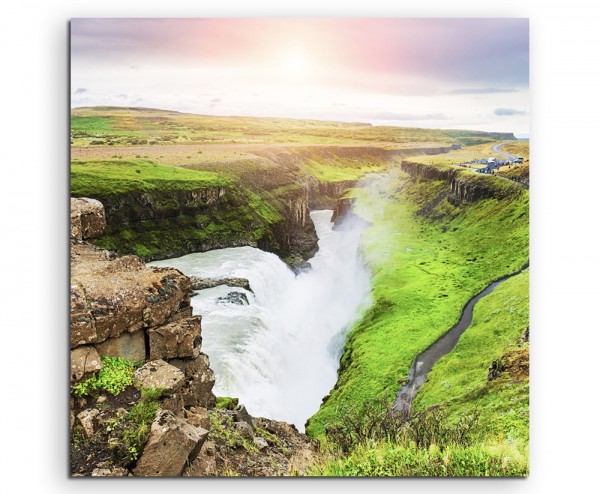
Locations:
{"points": [[175, 340], [83, 328], [205, 464], [111, 296], [87, 218], [244, 429], [84, 362], [159, 374], [86, 419], [240, 414], [198, 417], [172, 444], [110, 472], [302, 460], [172, 402], [200, 379], [260, 443], [130, 346]]}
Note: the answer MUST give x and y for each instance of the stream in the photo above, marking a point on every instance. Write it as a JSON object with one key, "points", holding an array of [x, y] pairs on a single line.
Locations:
{"points": [[442, 346], [279, 353]]}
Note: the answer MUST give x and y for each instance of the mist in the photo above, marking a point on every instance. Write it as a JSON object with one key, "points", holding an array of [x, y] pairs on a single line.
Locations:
{"points": [[280, 353]]}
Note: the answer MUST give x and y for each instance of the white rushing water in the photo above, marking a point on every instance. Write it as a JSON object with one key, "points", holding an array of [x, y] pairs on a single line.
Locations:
{"points": [[279, 355]]}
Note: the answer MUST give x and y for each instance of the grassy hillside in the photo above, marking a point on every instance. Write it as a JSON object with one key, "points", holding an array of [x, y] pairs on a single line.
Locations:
{"points": [[424, 272], [106, 177], [460, 379]]}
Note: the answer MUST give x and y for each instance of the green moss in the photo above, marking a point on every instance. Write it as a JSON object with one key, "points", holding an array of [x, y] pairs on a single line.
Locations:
{"points": [[115, 376], [226, 402], [223, 430]]}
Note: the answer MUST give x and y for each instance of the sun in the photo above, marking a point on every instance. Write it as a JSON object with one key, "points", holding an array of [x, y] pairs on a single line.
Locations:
{"points": [[295, 64]]}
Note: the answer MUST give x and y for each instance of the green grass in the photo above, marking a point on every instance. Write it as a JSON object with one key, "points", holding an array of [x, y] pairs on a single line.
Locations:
{"points": [[518, 148], [460, 379], [393, 460], [428, 258], [109, 177], [339, 170]]}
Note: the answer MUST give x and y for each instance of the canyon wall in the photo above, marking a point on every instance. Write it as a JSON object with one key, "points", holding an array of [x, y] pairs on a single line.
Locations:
{"points": [[464, 185]]}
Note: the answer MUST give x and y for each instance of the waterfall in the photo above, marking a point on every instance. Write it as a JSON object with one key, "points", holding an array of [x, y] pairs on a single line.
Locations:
{"points": [[279, 354]]}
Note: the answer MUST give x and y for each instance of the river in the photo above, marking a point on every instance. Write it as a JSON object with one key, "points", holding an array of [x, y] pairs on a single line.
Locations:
{"points": [[279, 354]]}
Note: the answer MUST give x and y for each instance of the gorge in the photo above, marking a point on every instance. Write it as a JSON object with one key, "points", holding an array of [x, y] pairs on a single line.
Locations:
{"points": [[279, 353]]}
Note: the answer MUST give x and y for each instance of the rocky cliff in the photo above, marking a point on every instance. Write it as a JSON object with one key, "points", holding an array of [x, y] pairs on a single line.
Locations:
{"points": [[169, 223], [464, 185], [162, 421]]}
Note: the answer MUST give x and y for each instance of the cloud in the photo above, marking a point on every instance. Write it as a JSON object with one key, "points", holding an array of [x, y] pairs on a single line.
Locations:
{"points": [[215, 102], [122, 96], [504, 112], [482, 90], [81, 90]]}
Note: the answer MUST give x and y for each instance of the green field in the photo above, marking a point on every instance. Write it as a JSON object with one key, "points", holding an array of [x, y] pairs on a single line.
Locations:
{"points": [[106, 177]]}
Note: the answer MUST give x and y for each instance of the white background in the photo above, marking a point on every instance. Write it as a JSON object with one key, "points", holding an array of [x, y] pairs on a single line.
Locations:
{"points": [[565, 41]]}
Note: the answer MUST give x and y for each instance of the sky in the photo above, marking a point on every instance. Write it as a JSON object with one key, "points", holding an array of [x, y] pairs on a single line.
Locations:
{"points": [[432, 73]]}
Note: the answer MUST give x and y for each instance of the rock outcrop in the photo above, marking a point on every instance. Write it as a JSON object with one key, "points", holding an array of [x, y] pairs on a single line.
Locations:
{"points": [[464, 185], [199, 283], [87, 218], [324, 195]]}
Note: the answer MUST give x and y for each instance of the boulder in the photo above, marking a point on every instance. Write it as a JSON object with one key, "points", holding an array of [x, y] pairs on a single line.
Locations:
{"points": [[240, 414], [198, 417], [260, 443], [199, 381], [244, 429], [159, 374], [84, 362], [204, 283], [172, 444], [86, 419], [237, 298], [87, 218], [130, 346], [176, 339]]}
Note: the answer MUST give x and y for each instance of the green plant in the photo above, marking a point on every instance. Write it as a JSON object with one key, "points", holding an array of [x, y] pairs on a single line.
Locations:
{"points": [[115, 376], [223, 430], [226, 402]]}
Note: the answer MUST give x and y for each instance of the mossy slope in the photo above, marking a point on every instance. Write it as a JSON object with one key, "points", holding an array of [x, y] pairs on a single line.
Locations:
{"points": [[428, 258]]}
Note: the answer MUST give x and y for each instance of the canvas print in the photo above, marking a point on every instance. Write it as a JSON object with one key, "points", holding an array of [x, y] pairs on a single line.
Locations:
{"points": [[299, 247]]}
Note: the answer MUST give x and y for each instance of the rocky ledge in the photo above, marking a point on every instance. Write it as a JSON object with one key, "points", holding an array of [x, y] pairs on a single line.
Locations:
{"points": [[163, 420]]}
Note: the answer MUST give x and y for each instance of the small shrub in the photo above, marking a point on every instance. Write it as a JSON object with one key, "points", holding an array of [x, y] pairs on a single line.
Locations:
{"points": [[377, 421], [115, 376]]}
